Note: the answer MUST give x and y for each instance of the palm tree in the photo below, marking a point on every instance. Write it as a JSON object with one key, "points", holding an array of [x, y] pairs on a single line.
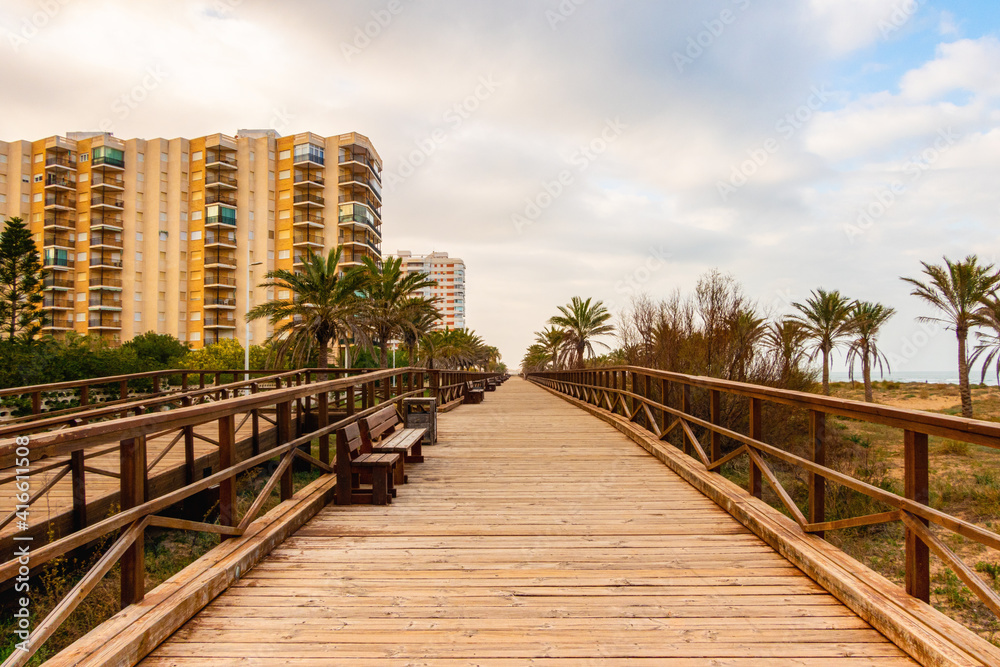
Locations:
{"points": [[825, 317], [388, 294], [551, 339], [989, 343], [583, 321], [535, 358], [867, 319], [323, 307], [419, 316], [455, 349], [958, 289], [786, 338]]}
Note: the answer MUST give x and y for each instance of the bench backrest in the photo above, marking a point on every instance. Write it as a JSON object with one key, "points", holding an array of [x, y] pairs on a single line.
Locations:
{"points": [[379, 424], [350, 444]]}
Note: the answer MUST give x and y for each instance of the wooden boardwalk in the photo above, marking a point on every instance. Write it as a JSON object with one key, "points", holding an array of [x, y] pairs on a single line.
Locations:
{"points": [[533, 533]]}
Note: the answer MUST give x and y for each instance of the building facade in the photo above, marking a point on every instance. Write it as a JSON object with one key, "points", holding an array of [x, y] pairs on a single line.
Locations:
{"points": [[449, 272], [174, 236]]}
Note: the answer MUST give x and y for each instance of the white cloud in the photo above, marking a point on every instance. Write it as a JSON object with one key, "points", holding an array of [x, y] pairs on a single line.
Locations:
{"points": [[970, 65]]}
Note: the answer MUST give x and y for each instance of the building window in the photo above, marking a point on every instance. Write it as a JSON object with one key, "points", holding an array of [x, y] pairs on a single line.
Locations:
{"points": [[305, 152], [84, 157], [108, 155], [283, 155], [284, 254]]}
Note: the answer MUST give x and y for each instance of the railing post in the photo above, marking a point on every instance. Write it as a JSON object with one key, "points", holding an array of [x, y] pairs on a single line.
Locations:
{"points": [[686, 409], [386, 389], [817, 483], [255, 423], [435, 387], [156, 384], [227, 457], [324, 421], [283, 415], [664, 400], [715, 408], [754, 483], [349, 400], [188, 447], [917, 554], [184, 382], [76, 464], [85, 395], [133, 471]]}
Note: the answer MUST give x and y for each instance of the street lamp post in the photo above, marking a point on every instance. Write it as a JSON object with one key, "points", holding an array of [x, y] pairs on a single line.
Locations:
{"points": [[246, 348]]}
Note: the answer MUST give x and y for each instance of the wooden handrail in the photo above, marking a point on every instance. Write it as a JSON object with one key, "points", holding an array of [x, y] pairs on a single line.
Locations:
{"points": [[638, 394]]}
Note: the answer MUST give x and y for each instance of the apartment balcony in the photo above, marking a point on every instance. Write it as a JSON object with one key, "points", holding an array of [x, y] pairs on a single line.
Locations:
{"points": [[220, 180], [62, 161], [60, 220], [360, 178], [216, 322], [359, 215], [218, 281], [355, 155], [106, 221], [106, 281], [311, 156], [214, 336], [220, 303], [221, 159], [308, 200], [107, 180], [108, 201], [59, 181], [103, 261], [108, 161], [105, 301], [55, 239], [58, 322], [212, 220], [59, 202], [309, 177], [223, 239], [223, 260], [308, 239], [106, 240], [220, 197], [54, 301], [57, 281], [110, 321], [58, 263], [308, 219], [354, 195]]}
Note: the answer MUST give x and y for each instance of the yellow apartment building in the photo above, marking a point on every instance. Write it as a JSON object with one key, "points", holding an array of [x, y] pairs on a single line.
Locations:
{"points": [[449, 272], [174, 235]]}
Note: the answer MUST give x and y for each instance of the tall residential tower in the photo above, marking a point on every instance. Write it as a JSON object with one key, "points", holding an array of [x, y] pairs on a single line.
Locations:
{"points": [[449, 272], [174, 235]]}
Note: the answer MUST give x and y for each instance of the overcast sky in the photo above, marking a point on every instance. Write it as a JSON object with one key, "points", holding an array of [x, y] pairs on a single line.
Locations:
{"points": [[582, 147]]}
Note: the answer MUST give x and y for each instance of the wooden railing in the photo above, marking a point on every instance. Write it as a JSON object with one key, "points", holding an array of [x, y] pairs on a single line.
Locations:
{"points": [[663, 403], [353, 397]]}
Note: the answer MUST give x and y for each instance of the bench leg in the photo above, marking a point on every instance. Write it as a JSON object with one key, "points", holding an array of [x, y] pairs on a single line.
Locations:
{"points": [[399, 473], [380, 486], [417, 456]]}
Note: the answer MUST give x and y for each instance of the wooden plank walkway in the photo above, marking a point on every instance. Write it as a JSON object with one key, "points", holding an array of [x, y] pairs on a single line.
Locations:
{"points": [[533, 533]]}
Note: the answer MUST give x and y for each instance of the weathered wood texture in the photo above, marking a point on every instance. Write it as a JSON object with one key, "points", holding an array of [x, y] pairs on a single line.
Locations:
{"points": [[532, 532]]}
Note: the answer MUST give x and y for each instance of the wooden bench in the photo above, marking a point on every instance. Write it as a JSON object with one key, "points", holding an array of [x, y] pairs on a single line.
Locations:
{"points": [[379, 432], [473, 394], [491, 384], [357, 464]]}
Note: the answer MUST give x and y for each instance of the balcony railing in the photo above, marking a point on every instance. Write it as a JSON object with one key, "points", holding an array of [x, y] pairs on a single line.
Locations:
{"points": [[57, 240], [99, 179], [100, 260], [61, 200], [356, 177], [220, 220], [220, 321], [108, 161], [58, 262], [108, 220], [217, 158], [309, 177], [104, 322], [57, 180], [60, 161], [220, 178], [309, 156], [105, 281], [311, 218], [220, 258], [108, 240], [59, 323], [111, 200], [220, 198], [309, 199], [53, 281], [313, 239], [361, 156], [219, 301], [359, 196], [105, 300], [56, 302], [212, 280], [212, 238], [64, 219]]}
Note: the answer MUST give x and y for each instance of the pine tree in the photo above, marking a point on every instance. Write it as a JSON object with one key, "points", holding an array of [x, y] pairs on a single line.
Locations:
{"points": [[21, 275]]}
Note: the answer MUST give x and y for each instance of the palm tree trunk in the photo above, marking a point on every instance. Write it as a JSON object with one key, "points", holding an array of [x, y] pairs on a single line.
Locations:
{"points": [[383, 353], [866, 372], [963, 372], [323, 361], [826, 371]]}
